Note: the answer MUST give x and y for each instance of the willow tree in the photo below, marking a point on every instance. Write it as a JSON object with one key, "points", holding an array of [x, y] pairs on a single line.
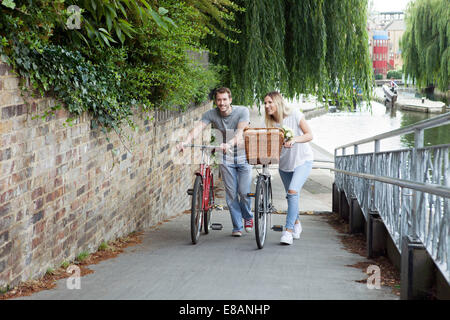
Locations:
{"points": [[426, 43], [308, 46]]}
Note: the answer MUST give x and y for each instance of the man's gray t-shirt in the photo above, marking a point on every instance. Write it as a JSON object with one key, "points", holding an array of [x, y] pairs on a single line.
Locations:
{"points": [[227, 126]]}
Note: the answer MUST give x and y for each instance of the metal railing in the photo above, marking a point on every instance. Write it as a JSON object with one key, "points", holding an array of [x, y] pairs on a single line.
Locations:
{"points": [[409, 188]]}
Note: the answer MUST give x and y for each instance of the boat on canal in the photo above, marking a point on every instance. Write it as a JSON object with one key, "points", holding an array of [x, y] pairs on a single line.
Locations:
{"points": [[390, 93]]}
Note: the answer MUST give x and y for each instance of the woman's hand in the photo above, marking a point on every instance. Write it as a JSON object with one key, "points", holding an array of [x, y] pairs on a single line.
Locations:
{"points": [[289, 143]]}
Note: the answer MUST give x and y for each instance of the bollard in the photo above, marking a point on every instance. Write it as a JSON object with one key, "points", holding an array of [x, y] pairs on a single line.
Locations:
{"points": [[356, 217], [343, 206], [375, 236], [417, 269]]}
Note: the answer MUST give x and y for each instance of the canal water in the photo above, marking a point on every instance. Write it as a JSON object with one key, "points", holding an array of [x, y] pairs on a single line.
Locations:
{"points": [[332, 130]]}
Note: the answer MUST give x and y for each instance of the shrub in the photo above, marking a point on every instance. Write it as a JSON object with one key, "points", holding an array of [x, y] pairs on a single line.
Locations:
{"points": [[396, 74], [127, 54], [378, 76]]}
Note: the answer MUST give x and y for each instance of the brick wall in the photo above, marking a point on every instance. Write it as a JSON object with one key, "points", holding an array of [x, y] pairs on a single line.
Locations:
{"points": [[63, 190]]}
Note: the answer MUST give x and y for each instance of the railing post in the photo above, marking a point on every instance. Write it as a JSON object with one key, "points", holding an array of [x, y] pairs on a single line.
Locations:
{"points": [[417, 268], [344, 208], [356, 217], [374, 172], [415, 166], [376, 235], [335, 198]]}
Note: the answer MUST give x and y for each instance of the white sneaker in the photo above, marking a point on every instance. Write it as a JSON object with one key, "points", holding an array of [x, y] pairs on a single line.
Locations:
{"points": [[286, 237], [236, 233], [297, 231]]}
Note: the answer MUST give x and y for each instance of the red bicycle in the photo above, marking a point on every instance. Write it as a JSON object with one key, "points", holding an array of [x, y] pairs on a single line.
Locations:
{"points": [[202, 196]]}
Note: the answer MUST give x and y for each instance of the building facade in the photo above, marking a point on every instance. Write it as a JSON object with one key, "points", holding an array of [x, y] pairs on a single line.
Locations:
{"points": [[380, 53], [385, 30]]}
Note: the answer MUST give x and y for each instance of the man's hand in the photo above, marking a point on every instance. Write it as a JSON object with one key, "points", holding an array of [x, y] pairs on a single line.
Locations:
{"points": [[225, 147], [180, 146]]}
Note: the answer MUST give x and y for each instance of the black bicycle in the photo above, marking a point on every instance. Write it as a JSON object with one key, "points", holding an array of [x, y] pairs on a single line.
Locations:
{"points": [[263, 146], [264, 207]]}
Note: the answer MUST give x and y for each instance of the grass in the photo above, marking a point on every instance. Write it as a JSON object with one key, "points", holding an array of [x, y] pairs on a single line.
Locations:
{"points": [[103, 246], [82, 256], [50, 271]]}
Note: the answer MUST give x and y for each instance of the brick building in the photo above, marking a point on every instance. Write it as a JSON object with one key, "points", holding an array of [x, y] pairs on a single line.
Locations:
{"points": [[380, 53]]}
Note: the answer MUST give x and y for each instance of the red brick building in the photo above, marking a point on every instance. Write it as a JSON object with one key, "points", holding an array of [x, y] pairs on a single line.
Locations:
{"points": [[380, 53]]}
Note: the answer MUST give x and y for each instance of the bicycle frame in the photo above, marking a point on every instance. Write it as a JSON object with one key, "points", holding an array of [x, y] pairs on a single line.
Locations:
{"points": [[207, 180], [267, 180], [205, 173]]}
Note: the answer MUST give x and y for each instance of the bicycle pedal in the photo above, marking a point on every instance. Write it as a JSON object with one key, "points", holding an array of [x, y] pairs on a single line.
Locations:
{"points": [[250, 195], [218, 207], [277, 228], [216, 226], [190, 191]]}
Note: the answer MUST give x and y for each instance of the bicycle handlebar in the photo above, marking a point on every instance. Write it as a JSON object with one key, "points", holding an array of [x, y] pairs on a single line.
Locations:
{"points": [[200, 146]]}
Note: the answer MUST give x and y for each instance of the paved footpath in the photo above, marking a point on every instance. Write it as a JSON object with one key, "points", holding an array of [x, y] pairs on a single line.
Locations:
{"points": [[167, 266]]}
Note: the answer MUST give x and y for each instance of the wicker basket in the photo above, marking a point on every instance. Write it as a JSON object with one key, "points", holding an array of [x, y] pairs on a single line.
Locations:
{"points": [[263, 145]]}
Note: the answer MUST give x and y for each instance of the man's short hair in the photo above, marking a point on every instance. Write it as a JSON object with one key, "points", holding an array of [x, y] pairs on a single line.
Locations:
{"points": [[222, 90]]}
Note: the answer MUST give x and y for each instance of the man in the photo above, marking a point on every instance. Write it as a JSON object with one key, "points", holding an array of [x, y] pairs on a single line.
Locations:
{"points": [[236, 172], [393, 85]]}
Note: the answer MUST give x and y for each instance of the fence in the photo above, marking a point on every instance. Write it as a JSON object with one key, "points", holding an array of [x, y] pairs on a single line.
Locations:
{"points": [[409, 188]]}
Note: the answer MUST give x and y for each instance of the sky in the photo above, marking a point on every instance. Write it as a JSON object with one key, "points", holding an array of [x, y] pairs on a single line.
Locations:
{"points": [[390, 5]]}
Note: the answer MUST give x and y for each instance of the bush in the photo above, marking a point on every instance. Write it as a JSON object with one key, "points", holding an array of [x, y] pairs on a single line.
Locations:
{"points": [[127, 54], [378, 76], [396, 74]]}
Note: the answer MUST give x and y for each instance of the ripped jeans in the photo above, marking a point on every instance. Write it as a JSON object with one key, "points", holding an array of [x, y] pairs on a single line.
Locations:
{"points": [[294, 181]]}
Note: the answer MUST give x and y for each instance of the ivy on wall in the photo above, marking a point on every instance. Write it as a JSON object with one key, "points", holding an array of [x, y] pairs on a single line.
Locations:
{"points": [[111, 56]]}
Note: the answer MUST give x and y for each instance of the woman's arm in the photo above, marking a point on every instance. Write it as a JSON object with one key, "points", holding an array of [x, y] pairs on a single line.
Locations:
{"points": [[307, 133], [306, 137]]}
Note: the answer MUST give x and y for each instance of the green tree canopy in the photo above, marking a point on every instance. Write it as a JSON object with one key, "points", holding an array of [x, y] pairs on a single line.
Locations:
{"points": [[309, 46], [426, 43]]}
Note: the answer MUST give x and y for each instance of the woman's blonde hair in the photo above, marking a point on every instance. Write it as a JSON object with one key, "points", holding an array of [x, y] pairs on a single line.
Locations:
{"points": [[283, 110]]}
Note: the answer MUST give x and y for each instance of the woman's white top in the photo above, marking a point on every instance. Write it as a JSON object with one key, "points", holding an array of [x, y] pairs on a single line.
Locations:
{"points": [[291, 158]]}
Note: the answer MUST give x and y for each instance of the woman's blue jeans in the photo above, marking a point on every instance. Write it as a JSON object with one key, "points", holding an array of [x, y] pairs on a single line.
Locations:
{"points": [[294, 181], [237, 180]]}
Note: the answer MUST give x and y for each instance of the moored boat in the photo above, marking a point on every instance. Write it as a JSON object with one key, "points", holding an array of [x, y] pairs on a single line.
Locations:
{"points": [[390, 93]]}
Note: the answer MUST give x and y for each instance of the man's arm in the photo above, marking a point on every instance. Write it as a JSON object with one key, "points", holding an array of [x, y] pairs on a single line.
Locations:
{"points": [[238, 138], [192, 135]]}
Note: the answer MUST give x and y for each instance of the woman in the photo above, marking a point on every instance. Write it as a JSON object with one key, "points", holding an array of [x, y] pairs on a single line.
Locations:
{"points": [[295, 160]]}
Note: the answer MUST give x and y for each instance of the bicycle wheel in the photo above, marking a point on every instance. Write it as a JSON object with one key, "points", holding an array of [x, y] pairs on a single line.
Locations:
{"points": [[207, 214], [196, 210], [260, 212]]}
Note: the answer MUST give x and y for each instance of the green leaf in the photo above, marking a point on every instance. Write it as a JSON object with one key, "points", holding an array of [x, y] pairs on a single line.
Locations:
{"points": [[108, 22], [158, 19], [169, 20], [162, 11], [9, 4], [120, 34]]}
